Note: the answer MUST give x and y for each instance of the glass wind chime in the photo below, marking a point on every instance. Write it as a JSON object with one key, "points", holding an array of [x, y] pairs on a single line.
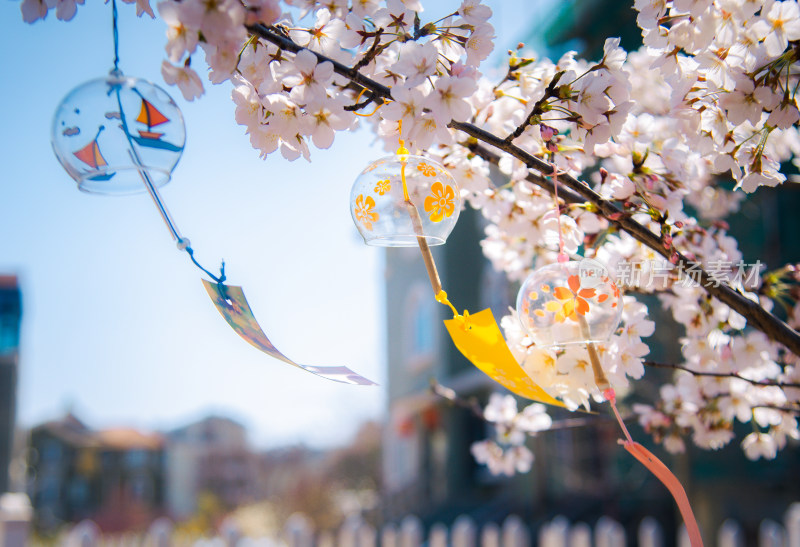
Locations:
{"points": [[407, 200], [122, 135]]}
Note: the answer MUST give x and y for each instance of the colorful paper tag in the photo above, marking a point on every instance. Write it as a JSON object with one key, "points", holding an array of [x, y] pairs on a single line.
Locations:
{"points": [[479, 339], [234, 308]]}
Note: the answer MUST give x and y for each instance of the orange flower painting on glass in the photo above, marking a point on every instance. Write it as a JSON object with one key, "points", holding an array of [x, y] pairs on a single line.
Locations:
{"points": [[441, 202], [427, 170], [383, 186], [570, 301], [364, 211]]}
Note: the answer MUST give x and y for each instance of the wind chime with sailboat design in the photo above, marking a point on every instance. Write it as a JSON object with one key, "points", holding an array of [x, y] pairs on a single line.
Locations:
{"points": [[123, 135], [103, 134]]}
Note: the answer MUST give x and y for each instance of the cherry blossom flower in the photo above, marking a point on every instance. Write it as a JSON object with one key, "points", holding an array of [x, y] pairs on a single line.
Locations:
{"points": [[182, 32], [307, 78], [507, 454], [759, 445], [778, 26], [447, 101], [142, 7], [473, 12], [184, 77], [417, 62], [323, 36], [326, 118], [480, 44], [33, 10]]}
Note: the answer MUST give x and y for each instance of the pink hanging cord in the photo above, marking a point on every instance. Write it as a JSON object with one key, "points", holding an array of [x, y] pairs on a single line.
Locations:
{"points": [[562, 256], [645, 457], [662, 473]]}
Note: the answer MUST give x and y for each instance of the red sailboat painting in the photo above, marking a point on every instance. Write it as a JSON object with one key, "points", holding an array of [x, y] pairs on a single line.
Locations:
{"points": [[152, 117], [91, 156]]}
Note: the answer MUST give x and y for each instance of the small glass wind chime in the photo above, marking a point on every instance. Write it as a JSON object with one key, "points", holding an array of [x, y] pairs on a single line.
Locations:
{"points": [[575, 302], [567, 303], [121, 135]]}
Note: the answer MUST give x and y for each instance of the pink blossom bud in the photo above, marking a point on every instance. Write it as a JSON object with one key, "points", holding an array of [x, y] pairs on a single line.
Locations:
{"points": [[546, 131], [679, 224], [674, 258]]}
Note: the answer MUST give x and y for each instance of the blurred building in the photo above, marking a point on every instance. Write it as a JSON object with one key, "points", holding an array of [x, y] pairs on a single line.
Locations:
{"points": [[579, 470], [211, 456], [116, 477], [427, 466], [10, 318]]}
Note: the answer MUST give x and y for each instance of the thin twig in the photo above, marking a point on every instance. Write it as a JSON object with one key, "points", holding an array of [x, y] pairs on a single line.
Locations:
{"points": [[781, 408], [758, 317], [373, 51], [538, 108], [721, 375], [358, 106], [474, 407]]}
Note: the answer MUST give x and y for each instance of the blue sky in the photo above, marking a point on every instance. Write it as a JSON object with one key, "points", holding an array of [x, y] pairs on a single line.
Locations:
{"points": [[116, 322]]}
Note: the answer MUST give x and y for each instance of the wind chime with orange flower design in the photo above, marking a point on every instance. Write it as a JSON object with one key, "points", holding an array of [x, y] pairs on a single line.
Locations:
{"points": [[567, 303], [97, 140]]}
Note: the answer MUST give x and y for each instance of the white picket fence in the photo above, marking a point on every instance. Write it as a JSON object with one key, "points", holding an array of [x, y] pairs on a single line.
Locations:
{"points": [[512, 532]]}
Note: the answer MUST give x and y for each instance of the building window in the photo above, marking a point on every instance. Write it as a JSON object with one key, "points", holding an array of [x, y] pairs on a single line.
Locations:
{"points": [[420, 324]]}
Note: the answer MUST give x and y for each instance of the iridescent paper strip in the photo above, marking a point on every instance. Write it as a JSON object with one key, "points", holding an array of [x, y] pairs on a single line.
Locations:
{"points": [[234, 308]]}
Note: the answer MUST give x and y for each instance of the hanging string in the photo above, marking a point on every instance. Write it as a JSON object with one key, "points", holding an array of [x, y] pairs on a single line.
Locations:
{"points": [[644, 456], [116, 35], [562, 255], [183, 243], [367, 102]]}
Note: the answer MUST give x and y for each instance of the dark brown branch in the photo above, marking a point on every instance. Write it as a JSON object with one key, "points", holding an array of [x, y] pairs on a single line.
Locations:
{"points": [[775, 329], [472, 405], [781, 408], [353, 107], [372, 53], [271, 35], [538, 108], [721, 375], [564, 194], [756, 316]]}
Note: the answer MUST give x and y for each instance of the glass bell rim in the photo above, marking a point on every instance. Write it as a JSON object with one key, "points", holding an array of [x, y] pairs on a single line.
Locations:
{"points": [[404, 157], [402, 240], [84, 179], [558, 346]]}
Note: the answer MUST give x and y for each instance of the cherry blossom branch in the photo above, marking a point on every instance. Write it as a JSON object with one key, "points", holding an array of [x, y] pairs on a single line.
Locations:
{"points": [[781, 408], [721, 375], [758, 317], [543, 182], [472, 405], [358, 106], [373, 51], [271, 34], [538, 109]]}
